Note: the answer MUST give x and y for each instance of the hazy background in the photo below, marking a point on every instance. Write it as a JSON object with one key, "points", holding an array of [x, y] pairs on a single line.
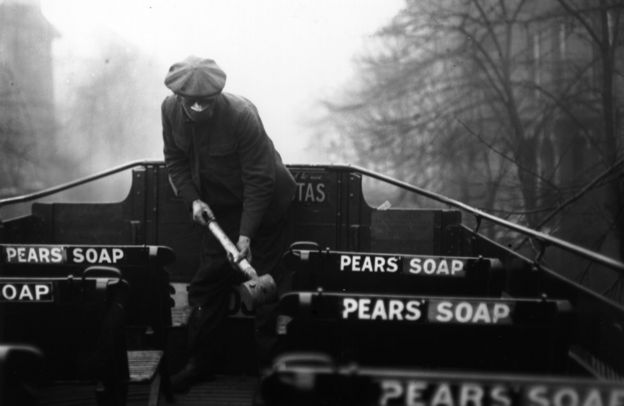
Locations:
{"points": [[284, 55]]}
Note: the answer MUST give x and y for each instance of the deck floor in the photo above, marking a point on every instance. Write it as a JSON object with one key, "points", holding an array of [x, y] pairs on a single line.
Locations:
{"points": [[226, 390]]}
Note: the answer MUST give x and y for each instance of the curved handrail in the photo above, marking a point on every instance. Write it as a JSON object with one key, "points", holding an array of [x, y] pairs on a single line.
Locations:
{"points": [[544, 238], [78, 182]]}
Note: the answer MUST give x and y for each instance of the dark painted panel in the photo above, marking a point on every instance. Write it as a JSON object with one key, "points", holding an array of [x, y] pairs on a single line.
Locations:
{"points": [[90, 224]]}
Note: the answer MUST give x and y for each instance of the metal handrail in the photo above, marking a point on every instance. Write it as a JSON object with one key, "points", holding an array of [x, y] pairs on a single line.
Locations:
{"points": [[78, 182], [544, 238]]}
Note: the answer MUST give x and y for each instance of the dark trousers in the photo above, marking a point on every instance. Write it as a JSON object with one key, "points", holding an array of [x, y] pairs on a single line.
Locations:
{"points": [[209, 295]]}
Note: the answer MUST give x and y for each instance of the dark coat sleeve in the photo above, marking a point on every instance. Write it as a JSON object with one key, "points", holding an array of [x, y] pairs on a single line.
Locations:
{"points": [[257, 159], [176, 160]]}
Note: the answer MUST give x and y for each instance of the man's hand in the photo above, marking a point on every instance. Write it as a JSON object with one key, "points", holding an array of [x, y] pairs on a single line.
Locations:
{"points": [[201, 212], [244, 248], [244, 251]]}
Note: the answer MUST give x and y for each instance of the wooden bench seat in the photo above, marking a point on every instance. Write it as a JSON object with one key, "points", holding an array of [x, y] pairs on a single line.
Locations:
{"points": [[428, 331], [347, 271], [103, 327], [314, 379]]}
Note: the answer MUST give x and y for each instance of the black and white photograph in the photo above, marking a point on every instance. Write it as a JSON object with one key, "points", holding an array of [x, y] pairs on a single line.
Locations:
{"points": [[312, 202]]}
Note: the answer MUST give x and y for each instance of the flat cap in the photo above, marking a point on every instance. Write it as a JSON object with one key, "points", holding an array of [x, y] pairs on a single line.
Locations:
{"points": [[195, 77]]}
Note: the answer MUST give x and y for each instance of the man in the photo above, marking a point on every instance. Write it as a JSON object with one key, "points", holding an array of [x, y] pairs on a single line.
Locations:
{"points": [[222, 163]]}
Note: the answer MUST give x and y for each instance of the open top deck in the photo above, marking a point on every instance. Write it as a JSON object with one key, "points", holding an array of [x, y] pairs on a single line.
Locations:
{"points": [[351, 251]]}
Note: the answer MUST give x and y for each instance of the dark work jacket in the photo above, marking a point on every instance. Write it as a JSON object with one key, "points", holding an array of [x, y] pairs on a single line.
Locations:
{"points": [[229, 162]]}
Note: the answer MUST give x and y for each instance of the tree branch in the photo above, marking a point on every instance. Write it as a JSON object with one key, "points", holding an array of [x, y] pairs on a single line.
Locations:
{"points": [[578, 16]]}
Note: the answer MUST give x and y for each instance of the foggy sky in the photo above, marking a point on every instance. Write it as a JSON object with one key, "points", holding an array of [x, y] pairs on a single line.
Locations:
{"points": [[284, 55]]}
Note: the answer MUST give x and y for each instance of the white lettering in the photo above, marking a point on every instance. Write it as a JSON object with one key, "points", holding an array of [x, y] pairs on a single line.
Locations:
{"points": [[501, 311], [78, 256], [467, 312], [537, 396], [443, 396], [456, 266], [32, 255], [471, 394], [44, 255], [359, 263], [11, 253], [413, 310], [379, 264], [570, 396], [104, 257], [423, 393], [118, 254], [299, 191], [435, 266], [443, 268], [21, 254], [367, 265], [320, 190], [41, 290], [345, 260], [57, 254], [391, 389], [349, 306], [379, 311], [444, 312], [363, 309], [463, 312], [393, 264], [593, 398], [25, 293], [482, 314], [415, 266], [9, 292], [309, 197], [356, 263], [414, 395], [97, 255], [396, 307], [310, 192], [566, 397], [91, 256], [500, 397], [429, 266]]}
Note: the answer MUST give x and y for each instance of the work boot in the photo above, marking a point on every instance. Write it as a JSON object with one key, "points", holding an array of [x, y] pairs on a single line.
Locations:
{"points": [[191, 374]]}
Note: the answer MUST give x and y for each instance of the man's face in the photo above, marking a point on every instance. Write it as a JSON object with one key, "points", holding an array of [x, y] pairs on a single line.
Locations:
{"points": [[199, 108]]}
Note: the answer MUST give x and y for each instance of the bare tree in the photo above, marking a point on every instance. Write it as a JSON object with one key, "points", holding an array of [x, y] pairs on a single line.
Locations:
{"points": [[475, 98], [445, 91], [600, 26]]}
